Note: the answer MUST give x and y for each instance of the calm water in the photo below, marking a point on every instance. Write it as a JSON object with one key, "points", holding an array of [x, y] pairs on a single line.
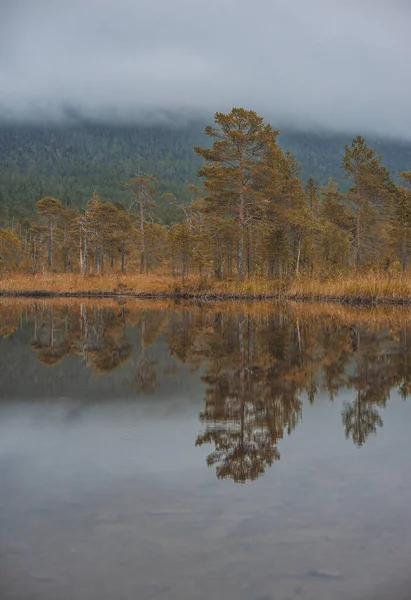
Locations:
{"points": [[235, 452]]}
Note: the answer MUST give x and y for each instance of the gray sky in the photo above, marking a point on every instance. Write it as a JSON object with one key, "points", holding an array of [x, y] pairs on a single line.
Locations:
{"points": [[337, 63]]}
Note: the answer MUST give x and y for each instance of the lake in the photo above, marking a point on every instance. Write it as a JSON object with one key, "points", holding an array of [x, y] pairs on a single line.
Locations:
{"points": [[180, 451]]}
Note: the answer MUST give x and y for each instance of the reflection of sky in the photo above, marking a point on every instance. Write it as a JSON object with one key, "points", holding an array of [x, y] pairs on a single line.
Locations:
{"points": [[119, 501], [103, 493], [72, 378]]}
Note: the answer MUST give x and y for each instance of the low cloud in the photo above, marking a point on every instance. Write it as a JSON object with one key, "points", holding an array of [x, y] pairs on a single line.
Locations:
{"points": [[309, 63]]}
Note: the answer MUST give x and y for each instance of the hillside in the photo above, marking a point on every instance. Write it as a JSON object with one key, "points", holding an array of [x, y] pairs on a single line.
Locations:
{"points": [[69, 161]]}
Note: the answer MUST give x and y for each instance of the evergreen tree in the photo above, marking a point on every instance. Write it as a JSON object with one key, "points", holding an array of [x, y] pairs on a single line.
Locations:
{"points": [[52, 210], [143, 189], [241, 142], [402, 219], [311, 194], [371, 190]]}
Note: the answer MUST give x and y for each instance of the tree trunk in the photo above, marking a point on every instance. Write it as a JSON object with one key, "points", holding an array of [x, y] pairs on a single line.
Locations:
{"points": [[81, 256], [83, 253], [101, 259], [96, 257], [241, 218], [33, 261], [183, 272], [51, 258], [404, 251], [297, 266], [249, 253], [142, 238], [229, 258], [357, 241], [68, 259], [240, 251], [123, 255]]}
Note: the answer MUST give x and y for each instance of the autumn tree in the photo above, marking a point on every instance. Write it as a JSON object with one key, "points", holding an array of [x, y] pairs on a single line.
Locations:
{"points": [[334, 235], [125, 236], [288, 222], [143, 188], [70, 238], [402, 219], [105, 219], [311, 194], [241, 141], [36, 247], [85, 224], [10, 249], [369, 195], [51, 209]]}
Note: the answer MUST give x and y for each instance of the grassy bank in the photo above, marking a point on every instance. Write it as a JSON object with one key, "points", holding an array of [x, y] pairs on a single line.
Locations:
{"points": [[364, 289]]}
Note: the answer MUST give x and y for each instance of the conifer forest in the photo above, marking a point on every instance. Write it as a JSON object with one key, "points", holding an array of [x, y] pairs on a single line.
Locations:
{"points": [[248, 214]]}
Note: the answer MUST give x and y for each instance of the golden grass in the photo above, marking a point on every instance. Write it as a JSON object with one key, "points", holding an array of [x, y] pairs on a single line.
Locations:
{"points": [[364, 287], [72, 284], [367, 288]]}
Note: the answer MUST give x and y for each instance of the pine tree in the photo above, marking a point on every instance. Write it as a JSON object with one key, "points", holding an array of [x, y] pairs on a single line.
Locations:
{"points": [[335, 229], [241, 141], [10, 250], [287, 213], [124, 229], [311, 194], [51, 209], [371, 191], [402, 219], [142, 189]]}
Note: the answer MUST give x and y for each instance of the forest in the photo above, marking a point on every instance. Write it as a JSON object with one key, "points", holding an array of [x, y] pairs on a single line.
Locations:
{"points": [[239, 208], [70, 160]]}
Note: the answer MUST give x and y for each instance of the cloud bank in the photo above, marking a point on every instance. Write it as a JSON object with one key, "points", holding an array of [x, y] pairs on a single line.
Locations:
{"points": [[341, 64]]}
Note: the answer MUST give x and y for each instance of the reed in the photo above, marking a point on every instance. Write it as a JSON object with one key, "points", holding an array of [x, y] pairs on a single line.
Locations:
{"points": [[362, 289]]}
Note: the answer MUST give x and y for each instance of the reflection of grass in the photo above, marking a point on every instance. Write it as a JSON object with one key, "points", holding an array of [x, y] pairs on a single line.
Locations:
{"points": [[379, 317], [367, 288]]}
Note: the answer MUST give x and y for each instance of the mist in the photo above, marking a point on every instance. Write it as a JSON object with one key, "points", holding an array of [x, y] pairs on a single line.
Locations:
{"points": [[341, 65]]}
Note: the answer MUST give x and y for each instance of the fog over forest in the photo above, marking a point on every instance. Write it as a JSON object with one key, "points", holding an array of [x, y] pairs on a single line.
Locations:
{"points": [[317, 64]]}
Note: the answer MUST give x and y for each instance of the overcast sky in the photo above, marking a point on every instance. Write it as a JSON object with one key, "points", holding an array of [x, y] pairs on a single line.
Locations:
{"points": [[343, 64]]}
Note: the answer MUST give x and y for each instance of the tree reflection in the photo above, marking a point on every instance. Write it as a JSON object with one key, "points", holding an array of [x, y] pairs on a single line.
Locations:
{"points": [[96, 334], [360, 420], [361, 417], [145, 377], [50, 345], [259, 366], [248, 403]]}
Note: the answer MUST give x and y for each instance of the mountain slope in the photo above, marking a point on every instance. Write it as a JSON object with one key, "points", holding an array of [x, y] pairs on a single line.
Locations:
{"points": [[68, 162]]}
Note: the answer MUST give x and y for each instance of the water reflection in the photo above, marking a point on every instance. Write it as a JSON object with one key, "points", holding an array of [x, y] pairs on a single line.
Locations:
{"points": [[257, 363]]}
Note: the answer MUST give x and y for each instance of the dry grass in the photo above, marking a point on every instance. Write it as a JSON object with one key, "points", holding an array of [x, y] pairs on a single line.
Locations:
{"points": [[75, 284], [366, 289]]}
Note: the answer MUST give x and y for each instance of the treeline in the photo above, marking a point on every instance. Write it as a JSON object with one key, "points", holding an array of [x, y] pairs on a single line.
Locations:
{"points": [[252, 217]]}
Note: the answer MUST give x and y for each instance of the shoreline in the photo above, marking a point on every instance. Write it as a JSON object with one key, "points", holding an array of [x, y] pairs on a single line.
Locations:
{"points": [[363, 290], [356, 300]]}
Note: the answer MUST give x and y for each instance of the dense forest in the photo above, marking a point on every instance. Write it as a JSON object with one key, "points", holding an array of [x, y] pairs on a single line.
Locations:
{"points": [[251, 214], [70, 161]]}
